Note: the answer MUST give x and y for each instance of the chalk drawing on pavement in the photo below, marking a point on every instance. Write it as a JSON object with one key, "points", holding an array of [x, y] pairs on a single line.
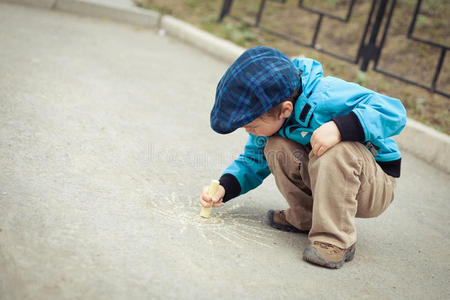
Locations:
{"points": [[227, 223]]}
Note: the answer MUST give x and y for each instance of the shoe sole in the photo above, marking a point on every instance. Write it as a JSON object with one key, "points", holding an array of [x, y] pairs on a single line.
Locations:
{"points": [[311, 255], [283, 227]]}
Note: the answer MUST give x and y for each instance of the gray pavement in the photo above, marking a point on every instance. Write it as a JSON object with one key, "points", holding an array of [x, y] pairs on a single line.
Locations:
{"points": [[104, 145]]}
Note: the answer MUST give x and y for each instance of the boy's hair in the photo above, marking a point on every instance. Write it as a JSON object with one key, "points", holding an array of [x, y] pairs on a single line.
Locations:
{"points": [[275, 112]]}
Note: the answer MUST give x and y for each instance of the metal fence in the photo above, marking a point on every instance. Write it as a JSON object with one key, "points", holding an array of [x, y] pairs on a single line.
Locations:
{"points": [[370, 45]]}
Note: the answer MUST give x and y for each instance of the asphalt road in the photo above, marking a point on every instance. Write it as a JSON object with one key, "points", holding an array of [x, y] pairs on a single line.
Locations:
{"points": [[104, 145]]}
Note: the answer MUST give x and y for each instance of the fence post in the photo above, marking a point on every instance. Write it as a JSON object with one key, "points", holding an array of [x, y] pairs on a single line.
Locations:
{"points": [[226, 6], [260, 11], [371, 49], [438, 70]]}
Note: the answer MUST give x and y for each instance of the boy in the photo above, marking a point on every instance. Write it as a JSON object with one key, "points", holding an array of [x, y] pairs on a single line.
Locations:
{"points": [[326, 141]]}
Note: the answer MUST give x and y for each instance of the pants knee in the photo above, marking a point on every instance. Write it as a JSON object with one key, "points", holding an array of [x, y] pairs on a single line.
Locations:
{"points": [[340, 152], [344, 157]]}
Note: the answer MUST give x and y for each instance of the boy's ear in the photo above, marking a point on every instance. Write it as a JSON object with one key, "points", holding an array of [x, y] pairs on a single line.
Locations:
{"points": [[286, 109]]}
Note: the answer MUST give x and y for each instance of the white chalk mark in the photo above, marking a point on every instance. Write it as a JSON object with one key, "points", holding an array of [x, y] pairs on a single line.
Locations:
{"points": [[245, 239], [230, 225], [227, 239], [246, 232]]}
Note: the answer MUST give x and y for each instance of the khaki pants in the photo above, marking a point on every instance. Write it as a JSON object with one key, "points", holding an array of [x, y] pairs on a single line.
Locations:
{"points": [[326, 193]]}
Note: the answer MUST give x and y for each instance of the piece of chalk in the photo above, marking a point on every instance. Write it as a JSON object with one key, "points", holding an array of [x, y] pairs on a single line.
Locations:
{"points": [[213, 187]]}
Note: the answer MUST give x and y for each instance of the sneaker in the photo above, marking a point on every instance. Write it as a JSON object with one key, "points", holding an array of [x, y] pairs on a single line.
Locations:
{"points": [[328, 255], [277, 219]]}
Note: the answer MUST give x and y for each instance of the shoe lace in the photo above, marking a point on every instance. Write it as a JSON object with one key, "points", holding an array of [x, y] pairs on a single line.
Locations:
{"points": [[328, 246]]}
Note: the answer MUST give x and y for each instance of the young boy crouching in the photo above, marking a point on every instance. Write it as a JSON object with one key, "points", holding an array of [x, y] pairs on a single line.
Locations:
{"points": [[326, 141]]}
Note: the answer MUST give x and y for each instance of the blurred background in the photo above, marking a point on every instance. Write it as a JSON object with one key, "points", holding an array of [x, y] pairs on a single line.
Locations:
{"points": [[284, 25]]}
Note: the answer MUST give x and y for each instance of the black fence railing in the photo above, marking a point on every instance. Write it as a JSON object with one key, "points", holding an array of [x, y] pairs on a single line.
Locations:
{"points": [[370, 46]]}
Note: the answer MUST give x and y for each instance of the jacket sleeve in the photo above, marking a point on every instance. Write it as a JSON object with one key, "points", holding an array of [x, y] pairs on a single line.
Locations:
{"points": [[364, 115], [249, 169]]}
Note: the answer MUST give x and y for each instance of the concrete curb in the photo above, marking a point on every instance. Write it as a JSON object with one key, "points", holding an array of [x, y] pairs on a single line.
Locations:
{"points": [[220, 48], [36, 3], [426, 143], [116, 11]]}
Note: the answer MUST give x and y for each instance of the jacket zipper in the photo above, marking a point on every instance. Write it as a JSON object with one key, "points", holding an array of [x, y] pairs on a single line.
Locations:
{"points": [[371, 148]]}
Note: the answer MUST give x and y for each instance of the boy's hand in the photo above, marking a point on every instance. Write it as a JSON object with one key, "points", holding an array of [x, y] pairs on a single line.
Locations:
{"points": [[325, 137], [205, 200]]}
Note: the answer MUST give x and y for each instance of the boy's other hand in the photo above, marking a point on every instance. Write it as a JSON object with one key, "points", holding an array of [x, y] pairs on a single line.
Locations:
{"points": [[205, 200], [325, 137]]}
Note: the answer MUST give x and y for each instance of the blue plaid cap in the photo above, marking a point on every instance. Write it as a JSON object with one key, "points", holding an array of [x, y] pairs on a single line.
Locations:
{"points": [[260, 79]]}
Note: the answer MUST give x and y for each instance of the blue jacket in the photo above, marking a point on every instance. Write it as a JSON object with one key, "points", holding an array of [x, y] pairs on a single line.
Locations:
{"points": [[359, 113]]}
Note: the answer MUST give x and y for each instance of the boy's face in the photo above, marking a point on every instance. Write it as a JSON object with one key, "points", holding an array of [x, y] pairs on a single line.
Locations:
{"points": [[266, 126], [269, 125]]}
